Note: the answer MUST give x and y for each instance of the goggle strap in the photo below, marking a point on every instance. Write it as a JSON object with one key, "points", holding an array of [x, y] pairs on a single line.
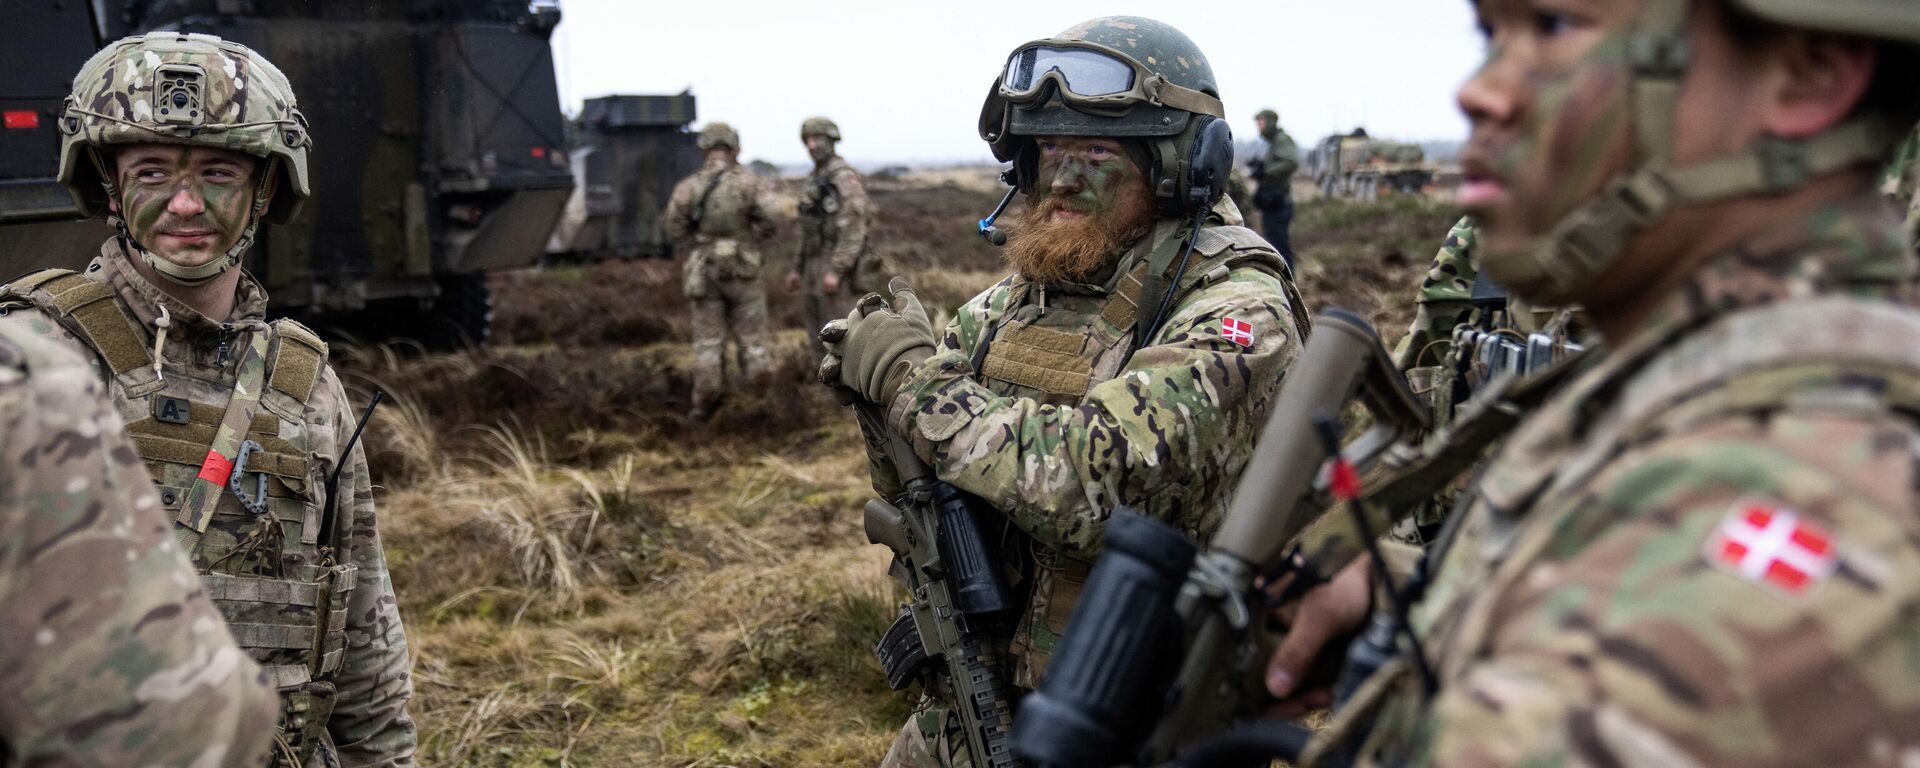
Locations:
{"points": [[1183, 98]]}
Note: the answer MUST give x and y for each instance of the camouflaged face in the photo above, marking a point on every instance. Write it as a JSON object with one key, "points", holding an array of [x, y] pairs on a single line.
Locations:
{"points": [[369, 722], [1588, 611], [110, 652], [175, 88]]}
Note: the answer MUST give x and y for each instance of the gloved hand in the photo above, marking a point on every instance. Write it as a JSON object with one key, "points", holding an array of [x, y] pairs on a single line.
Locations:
{"points": [[872, 350]]}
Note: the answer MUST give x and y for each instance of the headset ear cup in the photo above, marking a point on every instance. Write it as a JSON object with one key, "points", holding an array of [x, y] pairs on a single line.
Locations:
{"points": [[1209, 163]]}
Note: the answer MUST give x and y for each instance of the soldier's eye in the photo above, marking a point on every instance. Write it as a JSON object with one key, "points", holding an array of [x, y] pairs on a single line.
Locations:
{"points": [[1098, 152]]}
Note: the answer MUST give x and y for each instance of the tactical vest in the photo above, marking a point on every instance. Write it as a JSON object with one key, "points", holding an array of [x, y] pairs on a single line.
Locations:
{"points": [[1060, 356], [1813, 355], [723, 244], [277, 585]]}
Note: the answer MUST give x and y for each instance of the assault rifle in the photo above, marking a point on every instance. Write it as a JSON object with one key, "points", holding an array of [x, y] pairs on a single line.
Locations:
{"points": [[1163, 657], [957, 593]]}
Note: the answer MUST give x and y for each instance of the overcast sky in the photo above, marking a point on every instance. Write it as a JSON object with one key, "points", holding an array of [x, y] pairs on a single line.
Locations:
{"points": [[905, 78]]}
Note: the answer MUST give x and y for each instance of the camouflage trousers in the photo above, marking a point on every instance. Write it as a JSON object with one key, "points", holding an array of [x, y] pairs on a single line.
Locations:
{"points": [[730, 305], [823, 307], [930, 739]]}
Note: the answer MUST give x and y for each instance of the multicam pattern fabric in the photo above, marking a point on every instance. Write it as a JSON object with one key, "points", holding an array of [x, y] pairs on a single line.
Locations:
{"points": [[1900, 181], [110, 652], [1165, 430], [835, 223], [721, 274], [1582, 615], [360, 667], [1445, 299]]}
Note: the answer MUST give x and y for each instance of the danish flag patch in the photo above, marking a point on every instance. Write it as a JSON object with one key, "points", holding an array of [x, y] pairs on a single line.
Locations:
{"points": [[1767, 543], [1237, 331]]}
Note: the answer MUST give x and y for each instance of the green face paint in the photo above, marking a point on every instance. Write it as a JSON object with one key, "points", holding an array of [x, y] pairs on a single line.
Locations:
{"points": [[187, 205], [1084, 177]]}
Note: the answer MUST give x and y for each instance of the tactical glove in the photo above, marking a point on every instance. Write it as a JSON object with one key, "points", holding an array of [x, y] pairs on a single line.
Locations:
{"points": [[872, 350]]}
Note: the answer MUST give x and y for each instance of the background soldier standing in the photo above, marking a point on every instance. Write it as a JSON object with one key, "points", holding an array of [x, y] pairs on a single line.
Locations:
{"points": [[715, 217], [1092, 389], [836, 218], [186, 143], [110, 653], [1274, 172], [1702, 549]]}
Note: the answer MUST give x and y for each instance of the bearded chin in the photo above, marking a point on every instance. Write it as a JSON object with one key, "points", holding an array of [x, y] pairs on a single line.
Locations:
{"points": [[1048, 250]]}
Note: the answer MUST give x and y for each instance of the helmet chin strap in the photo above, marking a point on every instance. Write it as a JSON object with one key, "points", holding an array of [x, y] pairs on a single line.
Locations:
{"points": [[1590, 238], [204, 273]]}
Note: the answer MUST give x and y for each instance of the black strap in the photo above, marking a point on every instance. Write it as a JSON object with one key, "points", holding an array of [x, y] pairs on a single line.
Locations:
{"points": [[700, 208]]}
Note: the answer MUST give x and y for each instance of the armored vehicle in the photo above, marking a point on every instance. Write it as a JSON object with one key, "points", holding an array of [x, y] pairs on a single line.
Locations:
{"points": [[1358, 166], [628, 153], [439, 149]]}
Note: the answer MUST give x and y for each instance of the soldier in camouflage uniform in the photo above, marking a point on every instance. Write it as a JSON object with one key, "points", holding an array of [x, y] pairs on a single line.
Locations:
{"points": [[716, 217], [186, 143], [1274, 173], [110, 653], [836, 220], [1702, 549], [1101, 374]]}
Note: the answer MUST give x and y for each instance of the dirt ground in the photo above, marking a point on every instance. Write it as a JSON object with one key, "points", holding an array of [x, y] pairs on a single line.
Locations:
{"points": [[589, 580]]}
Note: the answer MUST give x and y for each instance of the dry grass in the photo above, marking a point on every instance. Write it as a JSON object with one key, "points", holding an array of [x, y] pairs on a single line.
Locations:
{"points": [[589, 580]]}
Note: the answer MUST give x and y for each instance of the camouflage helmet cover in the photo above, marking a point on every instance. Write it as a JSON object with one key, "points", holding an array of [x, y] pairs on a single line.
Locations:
{"points": [[1897, 20], [1153, 45], [819, 126], [179, 88], [718, 135], [1272, 117]]}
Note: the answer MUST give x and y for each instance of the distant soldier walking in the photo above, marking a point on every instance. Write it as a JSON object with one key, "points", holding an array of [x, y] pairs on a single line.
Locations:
{"points": [[1274, 171], [715, 217], [836, 221], [187, 143]]}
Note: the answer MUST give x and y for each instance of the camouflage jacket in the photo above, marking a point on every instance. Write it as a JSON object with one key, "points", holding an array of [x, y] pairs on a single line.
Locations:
{"points": [[350, 693], [719, 238], [1703, 550], [1279, 162], [1033, 403], [835, 218], [110, 652]]}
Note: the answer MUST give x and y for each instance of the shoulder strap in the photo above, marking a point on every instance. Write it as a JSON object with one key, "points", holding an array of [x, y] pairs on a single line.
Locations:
{"points": [[89, 310], [700, 208], [298, 357]]}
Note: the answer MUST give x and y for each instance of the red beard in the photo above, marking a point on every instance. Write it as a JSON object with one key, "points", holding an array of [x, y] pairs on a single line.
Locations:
{"points": [[1046, 250]]}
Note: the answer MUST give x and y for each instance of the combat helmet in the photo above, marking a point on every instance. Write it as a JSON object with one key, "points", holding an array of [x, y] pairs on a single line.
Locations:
{"points": [[819, 126], [1590, 238], [1118, 77], [718, 135], [191, 89]]}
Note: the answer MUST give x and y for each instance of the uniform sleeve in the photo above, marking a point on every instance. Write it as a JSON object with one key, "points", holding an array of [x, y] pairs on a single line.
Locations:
{"points": [[679, 207], [1283, 158], [1180, 416], [370, 723], [1641, 637], [110, 652], [761, 216], [1444, 301], [851, 222]]}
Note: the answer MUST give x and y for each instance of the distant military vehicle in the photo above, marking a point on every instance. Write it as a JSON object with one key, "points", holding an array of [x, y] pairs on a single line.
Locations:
{"points": [[1358, 166], [439, 149], [628, 151]]}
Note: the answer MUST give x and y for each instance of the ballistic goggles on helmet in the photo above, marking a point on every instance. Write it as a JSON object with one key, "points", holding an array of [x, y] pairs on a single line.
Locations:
{"points": [[1089, 75]]}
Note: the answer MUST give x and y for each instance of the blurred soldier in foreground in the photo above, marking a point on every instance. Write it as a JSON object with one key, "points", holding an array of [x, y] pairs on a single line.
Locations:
{"points": [[1702, 549], [110, 653], [716, 217], [835, 221], [187, 143], [1274, 173], [1131, 358]]}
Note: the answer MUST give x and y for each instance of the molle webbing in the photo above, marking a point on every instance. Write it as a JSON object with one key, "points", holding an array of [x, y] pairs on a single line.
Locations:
{"points": [[297, 359], [88, 308]]}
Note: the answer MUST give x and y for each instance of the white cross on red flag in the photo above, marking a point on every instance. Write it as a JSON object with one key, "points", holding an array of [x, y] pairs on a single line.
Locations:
{"points": [[1237, 331], [1770, 544]]}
